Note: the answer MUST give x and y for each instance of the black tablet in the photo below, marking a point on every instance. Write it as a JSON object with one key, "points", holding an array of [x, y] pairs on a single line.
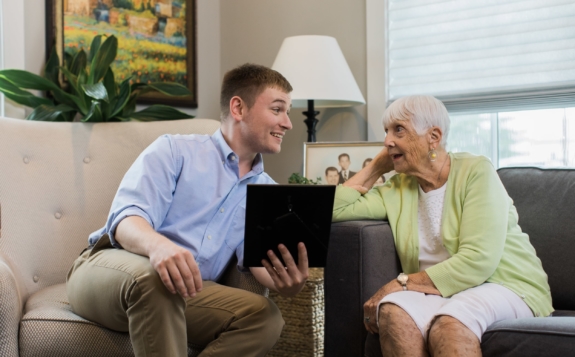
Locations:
{"points": [[288, 214]]}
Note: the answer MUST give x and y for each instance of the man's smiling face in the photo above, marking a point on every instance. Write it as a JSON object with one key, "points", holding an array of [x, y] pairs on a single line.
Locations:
{"points": [[267, 121]]}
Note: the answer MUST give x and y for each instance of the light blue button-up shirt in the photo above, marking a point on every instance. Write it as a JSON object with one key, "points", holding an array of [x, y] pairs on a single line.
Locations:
{"points": [[188, 188]]}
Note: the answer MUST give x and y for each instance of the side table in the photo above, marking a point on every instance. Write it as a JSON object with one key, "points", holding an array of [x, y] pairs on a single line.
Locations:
{"points": [[302, 335]]}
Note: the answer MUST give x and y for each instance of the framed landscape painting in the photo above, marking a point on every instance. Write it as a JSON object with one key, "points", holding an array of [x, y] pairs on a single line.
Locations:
{"points": [[156, 39]]}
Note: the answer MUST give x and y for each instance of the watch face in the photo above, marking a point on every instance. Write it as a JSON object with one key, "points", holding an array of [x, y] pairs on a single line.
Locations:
{"points": [[402, 278]]}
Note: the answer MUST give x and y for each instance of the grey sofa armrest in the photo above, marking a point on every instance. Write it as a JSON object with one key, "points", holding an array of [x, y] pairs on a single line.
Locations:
{"points": [[361, 259], [10, 311]]}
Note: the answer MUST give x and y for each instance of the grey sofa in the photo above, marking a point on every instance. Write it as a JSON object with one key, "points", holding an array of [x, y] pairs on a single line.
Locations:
{"points": [[362, 258], [57, 182]]}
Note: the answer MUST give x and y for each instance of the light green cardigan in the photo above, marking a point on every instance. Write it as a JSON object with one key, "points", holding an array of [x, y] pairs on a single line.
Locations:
{"points": [[479, 230]]}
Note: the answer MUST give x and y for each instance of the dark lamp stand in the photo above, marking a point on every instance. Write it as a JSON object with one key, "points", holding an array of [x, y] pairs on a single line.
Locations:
{"points": [[311, 121]]}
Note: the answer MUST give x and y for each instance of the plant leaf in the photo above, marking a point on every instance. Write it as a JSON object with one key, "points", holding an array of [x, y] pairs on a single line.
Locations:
{"points": [[49, 112], [51, 70], [110, 83], [94, 47], [78, 62], [27, 80], [102, 60], [159, 112], [12, 92], [122, 100], [68, 99], [112, 89], [96, 91], [173, 89], [95, 113], [72, 79]]}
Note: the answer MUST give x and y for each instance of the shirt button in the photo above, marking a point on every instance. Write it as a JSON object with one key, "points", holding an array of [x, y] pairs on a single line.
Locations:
{"points": [[536, 314], [58, 215], [36, 278], [26, 159], [233, 157], [222, 210], [209, 237], [86, 160]]}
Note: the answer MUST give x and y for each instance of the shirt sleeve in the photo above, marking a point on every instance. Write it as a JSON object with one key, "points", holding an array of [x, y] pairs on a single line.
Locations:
{"points": [[350, 205], [482, 233], [147, 188]]}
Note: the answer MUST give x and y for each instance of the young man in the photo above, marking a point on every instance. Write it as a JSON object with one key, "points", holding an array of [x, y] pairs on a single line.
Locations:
{"points": [[344, 162], [175, 223]]}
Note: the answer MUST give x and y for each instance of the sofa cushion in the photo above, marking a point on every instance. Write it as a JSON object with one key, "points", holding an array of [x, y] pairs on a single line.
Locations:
{"points": [[546, 204], [550, 336], [50, 328]]}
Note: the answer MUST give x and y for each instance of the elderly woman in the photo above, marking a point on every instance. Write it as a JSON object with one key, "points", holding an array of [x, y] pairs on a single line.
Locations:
{"points": [[466, 264]]}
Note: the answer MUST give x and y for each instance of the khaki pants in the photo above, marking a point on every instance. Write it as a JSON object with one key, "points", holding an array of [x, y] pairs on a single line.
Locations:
{"points": [[121, 291]]}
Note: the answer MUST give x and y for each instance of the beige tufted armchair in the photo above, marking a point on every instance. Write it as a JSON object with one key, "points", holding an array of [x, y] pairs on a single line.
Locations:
{"points": [[57, 182]]}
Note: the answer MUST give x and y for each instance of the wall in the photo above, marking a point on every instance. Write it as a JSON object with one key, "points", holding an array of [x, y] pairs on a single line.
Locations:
{"points": [[230, 33], [23, 24], [253, 30]]}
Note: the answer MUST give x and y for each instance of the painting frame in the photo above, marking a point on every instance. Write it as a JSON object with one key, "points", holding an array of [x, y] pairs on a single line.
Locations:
{"points": [[55, 37], [319, 157]]}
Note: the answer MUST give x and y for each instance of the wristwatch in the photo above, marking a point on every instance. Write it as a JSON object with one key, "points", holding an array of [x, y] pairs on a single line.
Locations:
{"points": [[403, 278]]}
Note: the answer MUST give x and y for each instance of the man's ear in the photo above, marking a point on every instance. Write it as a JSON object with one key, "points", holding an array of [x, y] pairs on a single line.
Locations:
{"points": [[237, 108], [435, 136]]}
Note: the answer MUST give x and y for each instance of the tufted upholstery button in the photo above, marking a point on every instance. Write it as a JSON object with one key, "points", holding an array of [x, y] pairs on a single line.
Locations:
{"points": [[26, 159], [58, 215], [36, 278], [86, 160]]}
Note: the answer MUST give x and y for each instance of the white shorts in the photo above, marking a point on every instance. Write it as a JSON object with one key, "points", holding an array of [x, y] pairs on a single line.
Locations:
{"points": [[477, 308]]}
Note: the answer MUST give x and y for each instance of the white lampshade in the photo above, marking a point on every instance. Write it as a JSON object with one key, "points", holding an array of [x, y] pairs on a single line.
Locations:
{"points": [[316, 69]]}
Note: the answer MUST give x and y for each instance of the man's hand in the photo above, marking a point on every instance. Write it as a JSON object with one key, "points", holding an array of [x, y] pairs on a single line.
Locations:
{"points": [[288, 280], [177, 268], [175, 265]]}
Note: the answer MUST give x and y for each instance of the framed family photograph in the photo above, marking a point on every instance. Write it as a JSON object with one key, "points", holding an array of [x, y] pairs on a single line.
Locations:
{"points": [[336, 162], [156, 39]]}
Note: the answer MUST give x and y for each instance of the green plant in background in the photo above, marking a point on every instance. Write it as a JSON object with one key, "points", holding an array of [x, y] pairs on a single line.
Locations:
{"points": [[299, 179], [91, 93]]}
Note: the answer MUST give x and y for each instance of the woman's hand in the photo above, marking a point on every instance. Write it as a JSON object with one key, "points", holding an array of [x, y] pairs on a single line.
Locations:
{"points": [[370, 307], [420, 282], [363, 181]]}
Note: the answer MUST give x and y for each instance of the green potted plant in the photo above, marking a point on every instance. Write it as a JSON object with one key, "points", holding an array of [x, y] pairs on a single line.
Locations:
{"points": [[296, 178], [89, 92]]}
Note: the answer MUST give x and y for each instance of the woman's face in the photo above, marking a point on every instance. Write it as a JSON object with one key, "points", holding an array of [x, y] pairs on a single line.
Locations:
{"points": [[407, 149]]}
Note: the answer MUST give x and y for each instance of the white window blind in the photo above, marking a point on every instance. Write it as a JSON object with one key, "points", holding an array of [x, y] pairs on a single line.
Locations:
{"points": [[483, 55]]}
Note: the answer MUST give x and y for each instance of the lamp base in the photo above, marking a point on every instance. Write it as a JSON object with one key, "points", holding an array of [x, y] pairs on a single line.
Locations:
{"points": [[311, 121]]}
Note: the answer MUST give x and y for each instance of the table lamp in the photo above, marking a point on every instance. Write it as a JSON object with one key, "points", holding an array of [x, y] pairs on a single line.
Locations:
{"points": [[319, 75]]}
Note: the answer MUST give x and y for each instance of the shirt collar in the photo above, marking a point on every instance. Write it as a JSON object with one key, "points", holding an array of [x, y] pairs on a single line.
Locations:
{"points": [[226, 152]]}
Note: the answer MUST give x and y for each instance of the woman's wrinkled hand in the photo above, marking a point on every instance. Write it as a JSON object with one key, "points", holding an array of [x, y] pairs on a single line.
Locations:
{"points": [[370, 307]]}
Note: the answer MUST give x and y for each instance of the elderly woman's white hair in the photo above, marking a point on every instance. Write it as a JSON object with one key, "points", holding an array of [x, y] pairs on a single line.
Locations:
{"points": [[424, 111]]}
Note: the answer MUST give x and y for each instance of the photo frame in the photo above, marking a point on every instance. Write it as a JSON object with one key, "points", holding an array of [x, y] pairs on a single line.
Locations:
{"points": [[320, 159], [157, 39]]}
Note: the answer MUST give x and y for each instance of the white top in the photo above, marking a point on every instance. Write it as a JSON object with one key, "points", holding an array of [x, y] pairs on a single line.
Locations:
{"points": [[429, 213]]}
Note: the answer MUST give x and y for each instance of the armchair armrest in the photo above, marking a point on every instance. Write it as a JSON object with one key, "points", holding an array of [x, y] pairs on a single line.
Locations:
{"points": [[361, 259], [10, 311]]}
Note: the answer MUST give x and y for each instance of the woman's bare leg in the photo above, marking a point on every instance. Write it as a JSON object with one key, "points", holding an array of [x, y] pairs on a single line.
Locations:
{"points": [[398, 334], [449, 337]]}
